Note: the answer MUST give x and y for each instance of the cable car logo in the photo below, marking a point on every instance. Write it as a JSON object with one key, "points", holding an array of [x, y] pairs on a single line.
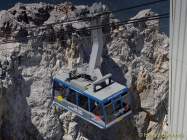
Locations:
{"points": [[96, 118]]}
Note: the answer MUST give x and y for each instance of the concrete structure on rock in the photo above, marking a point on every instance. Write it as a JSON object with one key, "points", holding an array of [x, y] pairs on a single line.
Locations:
{"points": [[178, 70]]}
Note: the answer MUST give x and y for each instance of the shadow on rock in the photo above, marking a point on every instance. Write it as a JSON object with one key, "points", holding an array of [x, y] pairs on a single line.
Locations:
{"points": [[122, 130], [110, 66], [17, 124]]}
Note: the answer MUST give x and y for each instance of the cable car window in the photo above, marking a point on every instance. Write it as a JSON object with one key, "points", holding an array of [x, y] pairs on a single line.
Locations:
{"points": [[62, 93], [96, 109], [109, 112], [59, 91], [92, 105], [83, 102], [70, 96], [117, 104], [125, 102]]}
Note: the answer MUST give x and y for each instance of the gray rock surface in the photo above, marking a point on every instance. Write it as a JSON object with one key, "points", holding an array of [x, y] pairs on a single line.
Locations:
{"points": [[136, 55]]}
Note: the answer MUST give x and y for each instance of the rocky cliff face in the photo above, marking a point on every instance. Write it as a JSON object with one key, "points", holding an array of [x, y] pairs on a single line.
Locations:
{"points": [[136, 55]]}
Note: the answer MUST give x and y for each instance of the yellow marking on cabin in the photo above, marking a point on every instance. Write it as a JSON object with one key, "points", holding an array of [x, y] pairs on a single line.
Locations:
{"points": [[59, 98], [86, 87]]}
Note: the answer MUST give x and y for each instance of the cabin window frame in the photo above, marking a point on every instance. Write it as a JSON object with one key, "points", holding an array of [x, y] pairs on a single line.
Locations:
{"points": [[113, 103]]}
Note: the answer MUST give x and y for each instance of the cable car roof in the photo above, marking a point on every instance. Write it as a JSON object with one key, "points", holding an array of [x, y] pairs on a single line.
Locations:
{"points": [[85, 87]]}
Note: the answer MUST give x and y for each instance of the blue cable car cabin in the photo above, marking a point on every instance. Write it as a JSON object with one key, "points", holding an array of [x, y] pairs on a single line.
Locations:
{"points": [[102, 103]]}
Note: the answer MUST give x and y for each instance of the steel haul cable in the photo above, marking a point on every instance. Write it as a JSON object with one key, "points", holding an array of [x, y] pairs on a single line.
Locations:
{"points": [[125, 22]]}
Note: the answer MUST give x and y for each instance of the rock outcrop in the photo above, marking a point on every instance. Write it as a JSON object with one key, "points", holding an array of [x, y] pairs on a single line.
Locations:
{"points": [[136, 54]]}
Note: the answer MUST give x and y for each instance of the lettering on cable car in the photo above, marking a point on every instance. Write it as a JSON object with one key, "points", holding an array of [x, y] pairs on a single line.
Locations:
{"points": [[76, 110]]}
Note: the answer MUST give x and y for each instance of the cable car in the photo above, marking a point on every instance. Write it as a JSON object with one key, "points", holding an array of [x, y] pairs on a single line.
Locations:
{"points": [[83, 89], [102, 102]]}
